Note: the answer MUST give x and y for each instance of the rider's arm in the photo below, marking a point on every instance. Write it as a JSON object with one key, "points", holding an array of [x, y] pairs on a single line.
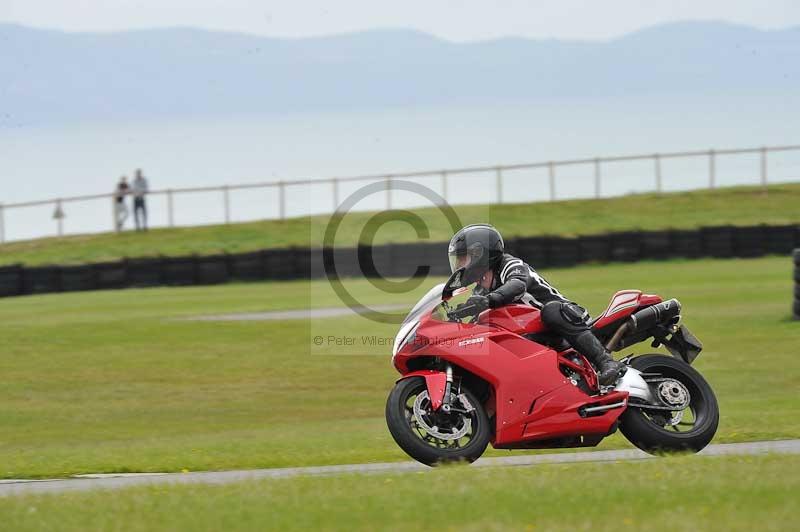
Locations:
{"points": [[514, 276]]}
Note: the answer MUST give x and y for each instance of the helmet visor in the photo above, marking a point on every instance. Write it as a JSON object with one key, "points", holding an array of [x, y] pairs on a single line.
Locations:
{"points": [[459, 261]]}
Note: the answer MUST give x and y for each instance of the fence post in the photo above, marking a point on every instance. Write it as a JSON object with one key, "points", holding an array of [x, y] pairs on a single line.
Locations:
{"points": [[498, 172], [114, 214], [657, 161], [712, 169], [764, 167], [444, 185], [2, 224], [388, 180], [170, 211], [226, 198], [58, 214], [551, 169], [335, 184], [282, 199], [597, 177]]}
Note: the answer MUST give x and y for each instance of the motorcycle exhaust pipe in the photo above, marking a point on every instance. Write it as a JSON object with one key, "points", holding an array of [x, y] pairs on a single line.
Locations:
{"points": [[664, 312], [585, 411]]}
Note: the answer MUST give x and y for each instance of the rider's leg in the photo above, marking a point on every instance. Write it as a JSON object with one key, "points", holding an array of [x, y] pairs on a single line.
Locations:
{"points": [[570, 321]]}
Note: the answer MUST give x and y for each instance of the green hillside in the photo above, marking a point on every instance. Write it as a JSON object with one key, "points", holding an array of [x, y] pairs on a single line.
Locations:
{"points": [[736, 206]]}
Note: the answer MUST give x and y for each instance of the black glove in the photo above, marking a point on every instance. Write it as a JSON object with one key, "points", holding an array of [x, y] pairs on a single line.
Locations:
{"points": [[495, 299], [480, 303]]}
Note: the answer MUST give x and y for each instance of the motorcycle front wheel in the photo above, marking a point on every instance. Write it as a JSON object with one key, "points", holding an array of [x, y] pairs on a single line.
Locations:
{"points": [[689, 425], [435, 437]]}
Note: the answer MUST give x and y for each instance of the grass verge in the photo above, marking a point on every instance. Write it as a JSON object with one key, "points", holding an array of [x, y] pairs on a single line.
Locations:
{"points": [[675, 494]]}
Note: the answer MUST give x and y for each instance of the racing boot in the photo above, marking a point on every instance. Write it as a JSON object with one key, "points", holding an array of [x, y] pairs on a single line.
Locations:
{"points": [[608, 369]]}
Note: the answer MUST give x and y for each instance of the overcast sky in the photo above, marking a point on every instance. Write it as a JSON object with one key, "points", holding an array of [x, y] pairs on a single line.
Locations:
{"points": [[459, 20]]}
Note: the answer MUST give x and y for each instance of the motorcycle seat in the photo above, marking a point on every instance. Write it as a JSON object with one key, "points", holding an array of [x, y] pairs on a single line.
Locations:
{"points": [[621, 306]]}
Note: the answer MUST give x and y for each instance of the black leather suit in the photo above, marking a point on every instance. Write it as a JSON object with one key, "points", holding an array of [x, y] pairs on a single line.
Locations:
{"points": [[516, 282]]}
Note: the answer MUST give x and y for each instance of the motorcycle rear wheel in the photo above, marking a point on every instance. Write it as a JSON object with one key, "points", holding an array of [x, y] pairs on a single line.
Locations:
{"points": [[416, 437], [659, 431]]}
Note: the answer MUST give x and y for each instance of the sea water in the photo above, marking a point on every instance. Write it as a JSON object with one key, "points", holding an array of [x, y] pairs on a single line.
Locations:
{"points": [[62, 160]]}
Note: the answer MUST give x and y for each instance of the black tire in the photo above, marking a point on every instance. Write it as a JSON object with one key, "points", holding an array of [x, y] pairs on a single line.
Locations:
{"points": [[796, 309], [412, 443], [797, 274], [797, 292], [796, 257], [642, 431]]}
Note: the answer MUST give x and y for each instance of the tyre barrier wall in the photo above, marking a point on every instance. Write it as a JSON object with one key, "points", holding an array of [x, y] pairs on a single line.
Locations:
{"points": [[402, 260], [796, 304]]}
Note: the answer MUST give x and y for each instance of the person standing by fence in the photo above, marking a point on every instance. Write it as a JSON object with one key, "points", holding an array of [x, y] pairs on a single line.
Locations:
{"points": [[139, 205], [120, 207]]}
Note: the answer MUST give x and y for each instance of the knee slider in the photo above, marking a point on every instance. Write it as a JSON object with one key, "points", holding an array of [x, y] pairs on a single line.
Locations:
{"points": [[574, 314], [551, 314]]}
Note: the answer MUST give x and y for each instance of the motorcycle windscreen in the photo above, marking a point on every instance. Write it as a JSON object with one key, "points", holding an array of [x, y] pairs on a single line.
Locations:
{"points": [[427, 303]]}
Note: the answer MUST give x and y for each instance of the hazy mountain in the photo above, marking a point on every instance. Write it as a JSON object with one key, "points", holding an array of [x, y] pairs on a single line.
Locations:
{"points": [[51, 76]]}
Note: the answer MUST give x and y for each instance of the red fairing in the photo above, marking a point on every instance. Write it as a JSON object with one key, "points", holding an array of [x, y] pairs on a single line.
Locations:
{"points": [[515, 318], [532, 400]]}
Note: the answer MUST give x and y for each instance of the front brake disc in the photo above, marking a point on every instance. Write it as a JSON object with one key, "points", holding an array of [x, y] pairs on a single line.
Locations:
{"points": [[434, 430]]}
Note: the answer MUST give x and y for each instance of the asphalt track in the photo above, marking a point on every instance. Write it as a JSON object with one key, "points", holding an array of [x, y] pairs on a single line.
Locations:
{"points": [[113, 481]]}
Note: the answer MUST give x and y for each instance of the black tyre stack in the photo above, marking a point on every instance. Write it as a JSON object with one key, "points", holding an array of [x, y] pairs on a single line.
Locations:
{"points": [[796, 305]]}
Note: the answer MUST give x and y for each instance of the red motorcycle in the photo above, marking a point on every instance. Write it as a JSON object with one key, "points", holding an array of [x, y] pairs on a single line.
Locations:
{"points": [[499, 377]]}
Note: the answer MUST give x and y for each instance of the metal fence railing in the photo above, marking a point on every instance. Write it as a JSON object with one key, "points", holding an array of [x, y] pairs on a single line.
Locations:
{"points": [[499, 174]]}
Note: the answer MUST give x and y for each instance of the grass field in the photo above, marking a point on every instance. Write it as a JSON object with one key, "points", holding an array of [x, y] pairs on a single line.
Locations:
{"points": [[114, 381], [735, 206], [675, 494]]}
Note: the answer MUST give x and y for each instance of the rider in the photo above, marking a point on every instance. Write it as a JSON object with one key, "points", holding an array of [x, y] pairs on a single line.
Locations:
{"points": [[503, 279]]}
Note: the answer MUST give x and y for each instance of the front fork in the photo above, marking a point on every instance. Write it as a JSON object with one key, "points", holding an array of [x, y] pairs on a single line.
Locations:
{"points": [[439, 385], [448, 386]]}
